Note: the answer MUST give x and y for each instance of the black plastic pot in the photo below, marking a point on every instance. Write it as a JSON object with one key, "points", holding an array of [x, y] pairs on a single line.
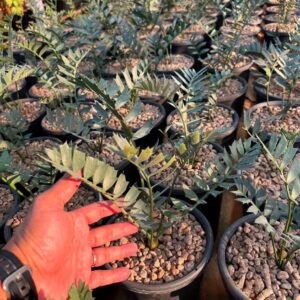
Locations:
{"points": [[224, 138], [233, 290], [173, 72], [236, 101], [261, 93], [111, 75], [212, 206], [262, 104], [62, 135], [187, 286], [12, 210], [8, 231], [34, 128], [271, 36], [151, 138]]}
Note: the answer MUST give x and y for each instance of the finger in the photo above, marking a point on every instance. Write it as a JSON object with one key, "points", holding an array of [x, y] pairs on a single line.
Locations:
{"points": [[101, 277], [59, 194], [101, 235], [96, 211], [107, 255]]}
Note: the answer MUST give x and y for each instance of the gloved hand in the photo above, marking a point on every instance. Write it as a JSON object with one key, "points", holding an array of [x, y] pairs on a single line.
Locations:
{"points": [[60, 247]]}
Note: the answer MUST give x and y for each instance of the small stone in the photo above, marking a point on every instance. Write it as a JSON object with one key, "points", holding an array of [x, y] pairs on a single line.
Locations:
{"points": [[188, 266], [286, 286], [168, 278], [264, 294], [241, 282], [180, 261], [296, 284], [156, 263], [161, 274], [153, 276], [231, 270], [297, 297], [143, 274], [258, 285], [282, 275]]}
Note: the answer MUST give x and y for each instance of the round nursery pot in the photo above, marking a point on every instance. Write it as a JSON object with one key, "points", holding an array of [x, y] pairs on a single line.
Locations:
{"points": [[236, 100], [213, 204], [151, 138], [116, 69], [186, 287], [273, 103], [180, 61], [234, 291], [8, 212], [261, 93], [270, 35], [38, 91], [61, 134], [34, 122], [8, 230], [224, 138]]}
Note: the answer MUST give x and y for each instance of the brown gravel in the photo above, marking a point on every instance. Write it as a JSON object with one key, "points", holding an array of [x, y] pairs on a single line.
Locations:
{"points": [[59, 127], [88, 94], [279, 91], [30, 110], [244, 40], [277, 27], [149, 113], [83, 196], [28, 155], [194, 33], [290, 122], [247, 30], [6, 202], [273, 9], [180, 251], [251, 264], [175, 62], [116, 67], [235, 61], [94, 149], [39, 90], [219, 118], [230, 88], [205, 157], [262, 174], [254, 21]]}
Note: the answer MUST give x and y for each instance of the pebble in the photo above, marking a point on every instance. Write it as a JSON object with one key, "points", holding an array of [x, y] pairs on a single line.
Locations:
{"points": [[282, 275]]}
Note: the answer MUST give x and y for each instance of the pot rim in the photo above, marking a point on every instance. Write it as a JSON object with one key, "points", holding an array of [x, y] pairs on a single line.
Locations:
{"points": [[230, 130], [228, 281], [180, 283]]}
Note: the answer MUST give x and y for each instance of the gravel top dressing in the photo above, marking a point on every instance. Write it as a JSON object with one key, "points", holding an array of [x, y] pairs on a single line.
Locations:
{"points": [[30, 110], [271, 123], [6, 202], [180, 251], [251, 264], [205, 157], [219, 117], [148, 113]]}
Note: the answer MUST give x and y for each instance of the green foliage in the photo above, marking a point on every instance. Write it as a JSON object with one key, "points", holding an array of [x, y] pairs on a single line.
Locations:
{"points": [[81, 292], [281, 156]]}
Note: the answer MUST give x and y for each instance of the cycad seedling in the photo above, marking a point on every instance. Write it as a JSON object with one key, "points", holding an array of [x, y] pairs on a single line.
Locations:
{"points": [[281, 155]]}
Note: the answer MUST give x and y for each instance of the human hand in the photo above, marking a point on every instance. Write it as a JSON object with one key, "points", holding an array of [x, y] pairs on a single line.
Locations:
{"points": [[60, 247]]}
